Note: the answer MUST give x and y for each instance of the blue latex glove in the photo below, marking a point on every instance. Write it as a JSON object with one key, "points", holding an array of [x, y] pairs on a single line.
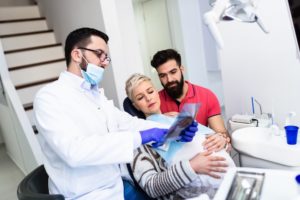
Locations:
{"points": [[189, 132], [156, 135]]}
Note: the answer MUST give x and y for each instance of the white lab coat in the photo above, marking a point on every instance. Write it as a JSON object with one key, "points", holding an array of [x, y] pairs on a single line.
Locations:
{"points": [[84, 138]]}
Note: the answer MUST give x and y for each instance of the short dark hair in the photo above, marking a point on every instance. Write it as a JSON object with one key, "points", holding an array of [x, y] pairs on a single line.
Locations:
{"points": [[81, 37], [165, 55]]}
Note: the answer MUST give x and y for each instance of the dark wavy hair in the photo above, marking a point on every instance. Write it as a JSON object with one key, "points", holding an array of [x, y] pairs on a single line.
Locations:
{"points": [[165, 55]]}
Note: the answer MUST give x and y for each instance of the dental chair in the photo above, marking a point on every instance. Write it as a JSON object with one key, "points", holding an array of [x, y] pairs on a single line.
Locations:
{"points": [[129, 108], [35, 186]]}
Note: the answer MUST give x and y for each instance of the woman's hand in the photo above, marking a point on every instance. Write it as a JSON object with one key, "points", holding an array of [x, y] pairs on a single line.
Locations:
{"points": [[205, 163], [215, 142]]}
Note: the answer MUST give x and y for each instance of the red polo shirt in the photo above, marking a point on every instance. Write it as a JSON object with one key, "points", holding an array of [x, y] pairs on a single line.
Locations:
{"points": [[209, 103]]}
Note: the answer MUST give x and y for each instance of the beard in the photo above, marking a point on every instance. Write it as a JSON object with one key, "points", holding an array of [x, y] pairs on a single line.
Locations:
{"points": [[176, 90]]}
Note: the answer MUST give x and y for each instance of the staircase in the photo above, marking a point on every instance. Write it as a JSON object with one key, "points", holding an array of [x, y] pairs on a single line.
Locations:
{"points": [[33, 56]]}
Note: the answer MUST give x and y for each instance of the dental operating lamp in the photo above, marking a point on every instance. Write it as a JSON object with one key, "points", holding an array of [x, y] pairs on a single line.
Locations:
{"points": [[240, 10]]}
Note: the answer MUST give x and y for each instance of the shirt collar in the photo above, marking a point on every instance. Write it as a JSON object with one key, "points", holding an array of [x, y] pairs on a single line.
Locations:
{"points": [[190, 93]]}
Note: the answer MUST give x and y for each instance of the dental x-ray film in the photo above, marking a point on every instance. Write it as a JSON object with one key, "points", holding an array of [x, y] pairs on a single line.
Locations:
{"points": [[183, 120]]}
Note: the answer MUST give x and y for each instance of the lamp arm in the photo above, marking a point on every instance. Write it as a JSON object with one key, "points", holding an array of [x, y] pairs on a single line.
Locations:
{"points": [[212, 17]]}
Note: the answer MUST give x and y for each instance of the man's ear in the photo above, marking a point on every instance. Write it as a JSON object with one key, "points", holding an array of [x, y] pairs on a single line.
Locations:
{"points": [[76, 55]]}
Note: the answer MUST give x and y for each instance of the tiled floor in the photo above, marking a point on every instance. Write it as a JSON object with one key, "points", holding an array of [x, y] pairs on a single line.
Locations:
{"points": [[10, 176]]}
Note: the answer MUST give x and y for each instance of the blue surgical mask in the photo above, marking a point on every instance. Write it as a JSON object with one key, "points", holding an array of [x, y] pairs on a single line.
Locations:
{"points": [[93, 74]]}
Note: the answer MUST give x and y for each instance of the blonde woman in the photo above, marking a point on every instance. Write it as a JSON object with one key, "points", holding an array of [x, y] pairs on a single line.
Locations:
{"points": [[185, 170]]}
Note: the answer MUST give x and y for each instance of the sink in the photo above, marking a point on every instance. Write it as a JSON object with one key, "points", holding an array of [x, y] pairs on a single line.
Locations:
{"points": [[264, 144]]}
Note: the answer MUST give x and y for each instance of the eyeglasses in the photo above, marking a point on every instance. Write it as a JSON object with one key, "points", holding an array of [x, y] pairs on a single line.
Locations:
{"points": [[99, 53]]}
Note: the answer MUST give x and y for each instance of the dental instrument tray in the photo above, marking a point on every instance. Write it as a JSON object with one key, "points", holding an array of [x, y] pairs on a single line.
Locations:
{"points": [[246, 186]]}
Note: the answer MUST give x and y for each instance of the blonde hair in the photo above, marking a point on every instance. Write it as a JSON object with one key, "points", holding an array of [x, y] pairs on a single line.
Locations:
{"points": [[133, 81]]}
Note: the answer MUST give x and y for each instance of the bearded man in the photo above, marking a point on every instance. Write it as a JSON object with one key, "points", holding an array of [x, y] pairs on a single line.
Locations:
{"points": [[176, 92]]}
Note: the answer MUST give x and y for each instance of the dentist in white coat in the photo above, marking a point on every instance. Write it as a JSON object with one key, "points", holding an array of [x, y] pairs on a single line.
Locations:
{"points": [[83, 136]]}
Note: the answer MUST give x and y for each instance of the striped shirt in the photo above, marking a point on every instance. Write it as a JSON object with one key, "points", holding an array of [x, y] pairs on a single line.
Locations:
{"points": [[157, 180]]}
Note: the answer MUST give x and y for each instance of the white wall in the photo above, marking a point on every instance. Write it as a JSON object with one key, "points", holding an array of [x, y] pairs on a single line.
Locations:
{"points": [[115, 17], [265, 66], [196, 45], [68, 15], [126, 56], [153, 32]]}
